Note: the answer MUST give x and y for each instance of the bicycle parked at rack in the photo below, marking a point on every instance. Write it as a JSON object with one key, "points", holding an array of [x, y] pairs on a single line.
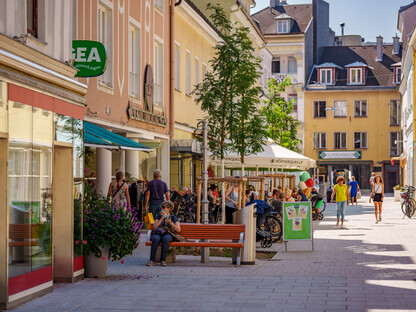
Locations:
{"points": [[409, 204]]}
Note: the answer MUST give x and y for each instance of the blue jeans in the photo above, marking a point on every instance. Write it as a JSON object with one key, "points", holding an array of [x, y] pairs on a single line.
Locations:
{"points": [[166, 239], [341, 209], [155, 209]]}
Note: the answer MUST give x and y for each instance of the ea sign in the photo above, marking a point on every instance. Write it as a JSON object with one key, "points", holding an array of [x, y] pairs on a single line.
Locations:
{"points": [[90, 58]]}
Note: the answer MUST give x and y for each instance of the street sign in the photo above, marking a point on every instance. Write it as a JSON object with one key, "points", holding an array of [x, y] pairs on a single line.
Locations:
{"points": [[297, 221], [90, 58], [340, 155]]}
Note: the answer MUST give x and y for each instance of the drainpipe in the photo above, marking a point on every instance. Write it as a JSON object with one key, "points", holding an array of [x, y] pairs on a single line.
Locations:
{"points": [[172, 67]]}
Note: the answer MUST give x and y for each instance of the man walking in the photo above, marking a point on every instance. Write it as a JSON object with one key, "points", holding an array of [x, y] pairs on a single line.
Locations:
{"points": [[156, 192]]}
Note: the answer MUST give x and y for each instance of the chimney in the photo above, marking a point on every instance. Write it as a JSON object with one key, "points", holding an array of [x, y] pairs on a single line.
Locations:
{"points": [[342, 33], [274, 3], [396, 45], [379, 49]]}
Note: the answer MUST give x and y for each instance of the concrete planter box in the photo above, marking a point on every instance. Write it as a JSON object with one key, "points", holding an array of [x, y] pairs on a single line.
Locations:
{"points": [[97, 267], [397, 195]]}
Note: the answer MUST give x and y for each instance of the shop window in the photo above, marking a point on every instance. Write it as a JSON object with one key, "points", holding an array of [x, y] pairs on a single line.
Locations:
{"points": [[360, 140], [276, 65], [326, 76], [340, 108], [30, 193], [134, 61], [282, 27], [188, 73], [394, 112], [177, 67], [394, 143], [158, 73], [360, 108], [319, 140], [340, 140], [319, 109], [292, 65], [32, 17], [104, 35]]}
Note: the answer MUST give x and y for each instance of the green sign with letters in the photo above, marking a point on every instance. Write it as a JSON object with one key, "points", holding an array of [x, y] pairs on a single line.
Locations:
{"points": [[90, 58], [297, 221], [340, 155]]}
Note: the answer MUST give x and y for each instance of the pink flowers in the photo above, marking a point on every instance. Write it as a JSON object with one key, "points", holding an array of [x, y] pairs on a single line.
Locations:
{"points": [[103, 258], [76, 242], [84, 242]]}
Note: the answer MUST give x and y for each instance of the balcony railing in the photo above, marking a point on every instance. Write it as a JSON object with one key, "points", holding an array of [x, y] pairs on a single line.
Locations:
{"points": [[279, 77]]}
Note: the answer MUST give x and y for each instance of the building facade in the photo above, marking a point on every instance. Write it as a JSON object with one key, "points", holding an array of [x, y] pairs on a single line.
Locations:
{"points": [[133, 97], [41, 149], [353, 111]]}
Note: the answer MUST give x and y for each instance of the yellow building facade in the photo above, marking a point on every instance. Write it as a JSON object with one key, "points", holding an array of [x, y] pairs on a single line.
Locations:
{"points": [[195, 39]]}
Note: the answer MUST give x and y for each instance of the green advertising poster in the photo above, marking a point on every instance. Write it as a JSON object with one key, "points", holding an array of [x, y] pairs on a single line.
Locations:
{"points": [[297, 221], [90, 58]]}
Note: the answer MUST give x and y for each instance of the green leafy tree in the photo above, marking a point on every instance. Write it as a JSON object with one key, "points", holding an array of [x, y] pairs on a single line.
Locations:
{"points": [[248, 132], [280, 124]]}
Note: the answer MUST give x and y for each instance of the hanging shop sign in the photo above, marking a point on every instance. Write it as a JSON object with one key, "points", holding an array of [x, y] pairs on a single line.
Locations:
{"points": [[148, 88], [90, 58], [340, 155]]}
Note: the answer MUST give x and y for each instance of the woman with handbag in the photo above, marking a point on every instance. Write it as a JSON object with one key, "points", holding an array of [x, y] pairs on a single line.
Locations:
{"points": [[377, 193], [166, 226], [119, 191]]}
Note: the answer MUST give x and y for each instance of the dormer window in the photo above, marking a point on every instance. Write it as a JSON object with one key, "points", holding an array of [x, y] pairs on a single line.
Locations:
{"points": [[397, 72], [356, 75], [326, 76], [283, 27]]}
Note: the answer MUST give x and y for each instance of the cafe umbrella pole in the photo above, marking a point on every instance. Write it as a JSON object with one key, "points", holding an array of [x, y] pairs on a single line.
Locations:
{"points": [[205, 202]]}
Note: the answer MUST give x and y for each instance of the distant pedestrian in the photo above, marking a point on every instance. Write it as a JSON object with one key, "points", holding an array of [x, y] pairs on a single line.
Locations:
{"points": [[119, 191], [373, 175], [156, 192], [354, 190], [378, 192], [341, 191]]}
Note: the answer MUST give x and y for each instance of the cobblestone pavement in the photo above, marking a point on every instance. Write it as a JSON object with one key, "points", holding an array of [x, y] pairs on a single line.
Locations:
{"points": [[364, 267]]}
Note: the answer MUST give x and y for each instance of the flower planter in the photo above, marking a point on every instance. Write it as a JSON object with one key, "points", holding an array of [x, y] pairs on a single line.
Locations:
{"points": [[97, 267], [397, 195]]}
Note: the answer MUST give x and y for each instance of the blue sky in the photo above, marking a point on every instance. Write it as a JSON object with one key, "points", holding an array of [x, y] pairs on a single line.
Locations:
{"points": [[368, 18]]}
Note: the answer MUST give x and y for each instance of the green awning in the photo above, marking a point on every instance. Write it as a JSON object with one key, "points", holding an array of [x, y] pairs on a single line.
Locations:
{"points": [[95, 136]]}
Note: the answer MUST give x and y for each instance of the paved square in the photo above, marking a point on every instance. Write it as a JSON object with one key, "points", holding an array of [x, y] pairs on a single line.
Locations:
{"points": [[364, 267]]}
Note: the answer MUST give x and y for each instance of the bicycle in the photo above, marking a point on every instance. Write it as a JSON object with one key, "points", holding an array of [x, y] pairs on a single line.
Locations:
{"points": [[409, 204]]}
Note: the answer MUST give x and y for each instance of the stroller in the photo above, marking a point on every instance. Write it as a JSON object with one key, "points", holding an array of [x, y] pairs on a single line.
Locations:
{"points": [[317, 212]]}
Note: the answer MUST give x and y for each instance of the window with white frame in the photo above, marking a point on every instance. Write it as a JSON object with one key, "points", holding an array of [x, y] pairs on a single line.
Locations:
{"points": [[104, 35], [319, 109], [292, 65], [134, 61], [397, 74], [394, 112], [276, 65], [356, 75], [319, 140], [282, 27], [340, 140], [340, 108], [326, 76], [394, 143], [188, 73], [204, 71], [159, 3], [360, 108], [158, 73], [177, 67], [196, 71], [360, 140]]}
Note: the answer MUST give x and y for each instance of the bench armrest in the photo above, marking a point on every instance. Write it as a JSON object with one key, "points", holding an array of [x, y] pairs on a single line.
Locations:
{"points": [[149, 233], [241, 237]]}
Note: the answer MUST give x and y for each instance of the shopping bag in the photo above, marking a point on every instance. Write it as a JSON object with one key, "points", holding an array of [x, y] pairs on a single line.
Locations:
{"points": [[359, 195], [149, 220]]}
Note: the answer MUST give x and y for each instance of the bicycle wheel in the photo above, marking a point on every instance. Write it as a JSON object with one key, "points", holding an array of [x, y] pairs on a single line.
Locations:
{"points": [[408, 208], [403, 207], [413, 207], [274, 227], [323, 206]]}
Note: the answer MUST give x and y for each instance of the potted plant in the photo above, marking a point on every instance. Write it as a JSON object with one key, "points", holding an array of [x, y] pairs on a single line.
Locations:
{"points": [[396, 190], [110, 232]]}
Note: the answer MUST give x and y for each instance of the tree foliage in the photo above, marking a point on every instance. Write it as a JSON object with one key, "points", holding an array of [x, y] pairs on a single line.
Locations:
{"points": [[280, 124]]}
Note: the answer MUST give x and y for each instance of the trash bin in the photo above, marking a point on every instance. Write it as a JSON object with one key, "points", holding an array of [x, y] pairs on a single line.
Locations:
{"points": [[247, 216]]}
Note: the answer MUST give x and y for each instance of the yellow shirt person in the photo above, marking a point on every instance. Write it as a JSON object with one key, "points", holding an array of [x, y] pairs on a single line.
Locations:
{"points": [[341, 190]]}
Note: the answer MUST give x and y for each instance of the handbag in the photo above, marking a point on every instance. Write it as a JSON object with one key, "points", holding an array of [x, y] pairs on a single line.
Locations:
{"points": [[149, 220], [176, 236], [359, 195]]}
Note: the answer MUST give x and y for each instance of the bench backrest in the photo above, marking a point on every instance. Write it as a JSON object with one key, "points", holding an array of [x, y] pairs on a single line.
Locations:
{"points": [[212, 231], [22, 231]]}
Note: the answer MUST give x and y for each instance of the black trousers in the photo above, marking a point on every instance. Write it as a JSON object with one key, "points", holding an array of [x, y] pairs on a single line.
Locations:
{"points": [[229, 214]]}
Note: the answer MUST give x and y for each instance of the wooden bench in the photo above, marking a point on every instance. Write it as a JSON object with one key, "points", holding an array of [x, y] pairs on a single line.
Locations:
{"points": [[22, 232], [214, 235]]}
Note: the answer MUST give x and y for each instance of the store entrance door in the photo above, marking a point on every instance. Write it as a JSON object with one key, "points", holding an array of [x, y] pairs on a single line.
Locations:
{"points": [[63, 212], [390, 176]]}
